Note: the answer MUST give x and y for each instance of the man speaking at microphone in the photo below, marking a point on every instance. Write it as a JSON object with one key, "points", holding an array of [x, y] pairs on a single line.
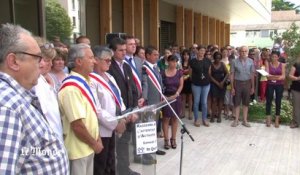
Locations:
{"points": [[152, 82]]}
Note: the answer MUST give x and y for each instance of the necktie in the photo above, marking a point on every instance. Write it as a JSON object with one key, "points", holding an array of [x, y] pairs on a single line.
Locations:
{"points": [[130, 62], [156, 71]]}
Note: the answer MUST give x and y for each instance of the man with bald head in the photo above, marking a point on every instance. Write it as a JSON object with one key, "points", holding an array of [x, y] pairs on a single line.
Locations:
{"points": [[242, 82], [28, 145]]}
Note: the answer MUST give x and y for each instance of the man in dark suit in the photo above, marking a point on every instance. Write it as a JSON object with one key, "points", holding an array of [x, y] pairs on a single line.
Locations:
{"points": [[152, 81], [136, 68], [134, 63], [122, 73]]}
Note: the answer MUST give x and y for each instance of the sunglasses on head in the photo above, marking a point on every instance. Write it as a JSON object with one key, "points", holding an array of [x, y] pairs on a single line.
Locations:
{"points": [[48, 46]]}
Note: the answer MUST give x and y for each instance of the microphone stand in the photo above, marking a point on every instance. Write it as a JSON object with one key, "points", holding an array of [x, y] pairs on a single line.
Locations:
{"points": [[183, 128], [182, 131]]}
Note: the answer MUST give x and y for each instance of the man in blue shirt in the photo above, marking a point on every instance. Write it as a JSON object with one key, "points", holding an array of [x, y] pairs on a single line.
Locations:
{"points": [[27, 143]]}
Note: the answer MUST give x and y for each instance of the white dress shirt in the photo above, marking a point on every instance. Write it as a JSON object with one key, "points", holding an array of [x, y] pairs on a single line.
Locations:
{"points": [[48, 100], [106, 106]]}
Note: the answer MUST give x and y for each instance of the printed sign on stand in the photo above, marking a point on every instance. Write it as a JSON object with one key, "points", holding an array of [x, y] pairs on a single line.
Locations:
{"points": [[146, 139]]}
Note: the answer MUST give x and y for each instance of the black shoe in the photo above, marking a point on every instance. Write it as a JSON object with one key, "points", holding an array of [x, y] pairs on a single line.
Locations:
{"points": [[133, 172], [160, 152], [148, 157], [143, 159]]}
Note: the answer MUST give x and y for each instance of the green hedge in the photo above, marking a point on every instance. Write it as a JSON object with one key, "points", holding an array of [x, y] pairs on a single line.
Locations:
{"points": [[257, 112]]}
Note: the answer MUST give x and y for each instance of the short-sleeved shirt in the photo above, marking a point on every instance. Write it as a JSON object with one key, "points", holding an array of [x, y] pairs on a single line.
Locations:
{"points": [[200, 69], [242, 72], [74, 106], [28, 144]]}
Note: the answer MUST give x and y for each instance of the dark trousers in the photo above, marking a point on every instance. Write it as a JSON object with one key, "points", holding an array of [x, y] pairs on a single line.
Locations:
{"points": [[104, 162], [278, 89], [122, 149]]}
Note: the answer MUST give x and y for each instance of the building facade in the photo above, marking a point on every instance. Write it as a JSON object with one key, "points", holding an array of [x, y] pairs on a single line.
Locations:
{"points": [[155, 22], [259, 35]]}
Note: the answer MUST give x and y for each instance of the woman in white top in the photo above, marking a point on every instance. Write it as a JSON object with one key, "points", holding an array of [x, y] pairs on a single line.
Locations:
{"points": [[109, 104], [45, 88]]}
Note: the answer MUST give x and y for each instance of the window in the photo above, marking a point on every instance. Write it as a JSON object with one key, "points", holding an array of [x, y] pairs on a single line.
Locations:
{"points": [[252, 33], [264, 33], [167, 34], [73, 4], [74, 21]]}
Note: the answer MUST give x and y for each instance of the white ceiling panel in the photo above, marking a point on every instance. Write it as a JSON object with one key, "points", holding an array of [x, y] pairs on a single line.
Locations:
{"points": [[235, 12]]}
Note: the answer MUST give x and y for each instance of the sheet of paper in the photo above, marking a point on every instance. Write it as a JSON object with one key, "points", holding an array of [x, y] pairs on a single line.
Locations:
{"points": [[262, 72]]}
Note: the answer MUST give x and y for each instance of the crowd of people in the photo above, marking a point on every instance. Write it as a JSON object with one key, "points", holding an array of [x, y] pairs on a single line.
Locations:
{"points": [[57, 101]]}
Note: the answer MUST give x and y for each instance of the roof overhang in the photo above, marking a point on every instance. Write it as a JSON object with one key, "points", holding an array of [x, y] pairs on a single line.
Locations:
{"points": [[234, 12]]}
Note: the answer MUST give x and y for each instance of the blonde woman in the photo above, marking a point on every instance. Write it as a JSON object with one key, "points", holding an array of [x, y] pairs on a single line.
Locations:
{"points": [[45, 88], [57, 71]]}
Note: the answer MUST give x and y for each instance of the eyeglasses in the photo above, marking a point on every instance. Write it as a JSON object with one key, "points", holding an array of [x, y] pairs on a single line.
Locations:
{"points": [[107, 60], [38, 57], [47, 46]]}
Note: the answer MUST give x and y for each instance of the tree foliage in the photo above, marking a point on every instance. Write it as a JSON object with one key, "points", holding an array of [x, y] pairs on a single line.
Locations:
{"points": [[58, 22], [280, 5], [290, 40]]}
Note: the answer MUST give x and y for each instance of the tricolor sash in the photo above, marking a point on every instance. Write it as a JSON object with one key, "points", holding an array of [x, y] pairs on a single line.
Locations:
{"points": [[153, 77], [136, 78], [82, 86], [107, 86]]}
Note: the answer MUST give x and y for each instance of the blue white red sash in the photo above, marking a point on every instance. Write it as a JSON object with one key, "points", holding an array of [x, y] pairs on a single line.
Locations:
{"points": [[136, 78], [153, 78], [82, 86], [116, 95]]}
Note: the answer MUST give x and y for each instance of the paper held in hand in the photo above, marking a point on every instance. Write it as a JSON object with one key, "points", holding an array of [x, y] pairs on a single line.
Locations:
{"points": [[128, 112], [262, 72]]}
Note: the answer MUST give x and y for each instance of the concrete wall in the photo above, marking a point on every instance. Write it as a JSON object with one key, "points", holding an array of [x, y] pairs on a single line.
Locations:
{"points": [[146, 22], [167, 12], [5, 11], [92, 21], [117, 16]]}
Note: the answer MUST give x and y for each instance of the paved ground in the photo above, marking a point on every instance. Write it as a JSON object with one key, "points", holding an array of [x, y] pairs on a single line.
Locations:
{"points": [[223, 150]]}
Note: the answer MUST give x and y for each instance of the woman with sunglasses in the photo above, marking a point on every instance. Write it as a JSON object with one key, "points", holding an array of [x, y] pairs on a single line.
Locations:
{"points": [[109, 104], [45, 91]]}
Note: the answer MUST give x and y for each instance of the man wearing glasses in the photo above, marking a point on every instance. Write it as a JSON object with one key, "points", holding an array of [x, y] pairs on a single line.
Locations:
{"points": [[27, 144]]}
